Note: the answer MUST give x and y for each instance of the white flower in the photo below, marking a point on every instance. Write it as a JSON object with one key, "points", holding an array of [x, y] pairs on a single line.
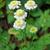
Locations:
{"points": [[30, 5], [19, 24], [33, 29], [14, 4], [20, 14]]}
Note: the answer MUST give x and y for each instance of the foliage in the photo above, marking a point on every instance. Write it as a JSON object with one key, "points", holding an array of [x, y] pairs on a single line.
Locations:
{"points": [[38, 45], [11, 38], [2, 3]]}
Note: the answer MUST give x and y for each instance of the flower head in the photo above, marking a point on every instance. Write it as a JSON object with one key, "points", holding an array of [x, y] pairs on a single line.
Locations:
{"points": [[20, 14], [33, 29], [19, 24], [14, 4], [30, 5]]}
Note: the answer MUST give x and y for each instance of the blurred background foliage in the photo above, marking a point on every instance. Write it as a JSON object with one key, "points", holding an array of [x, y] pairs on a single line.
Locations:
{"points": [[10, 39]]}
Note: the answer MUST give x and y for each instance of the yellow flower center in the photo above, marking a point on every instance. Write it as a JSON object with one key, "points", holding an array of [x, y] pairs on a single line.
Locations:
{"points": [[19, 22], [30, 3], [33, 30], [20, 12]]}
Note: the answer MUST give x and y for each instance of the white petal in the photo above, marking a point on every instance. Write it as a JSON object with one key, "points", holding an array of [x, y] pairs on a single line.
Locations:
{"points": [[15, 27], [17, 6], [27, 7], [14, 13], [35, 6], [11, 7], [23, 26]]}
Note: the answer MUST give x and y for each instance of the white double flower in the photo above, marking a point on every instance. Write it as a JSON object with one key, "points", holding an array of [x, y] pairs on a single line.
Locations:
{"points": [[19, 24], [30, 5], [20, 14], [14, 4]]}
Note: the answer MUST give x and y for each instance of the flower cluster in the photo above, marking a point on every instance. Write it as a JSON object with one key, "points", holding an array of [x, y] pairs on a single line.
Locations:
{"points": [[21, 14]]}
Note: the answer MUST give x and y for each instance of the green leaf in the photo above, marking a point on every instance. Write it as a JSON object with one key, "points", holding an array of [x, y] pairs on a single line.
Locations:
{"points": [[47, 1], [21, 35], [39, 2], [35, 13], [10, 19], [2, 3], [1, 14], [44, 20], [1, 30], [7, 47], [4, 38], [30, 21]]}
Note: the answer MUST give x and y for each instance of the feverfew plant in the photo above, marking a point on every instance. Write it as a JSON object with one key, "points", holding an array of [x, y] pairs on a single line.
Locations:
{"points": [[28, 23]]}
